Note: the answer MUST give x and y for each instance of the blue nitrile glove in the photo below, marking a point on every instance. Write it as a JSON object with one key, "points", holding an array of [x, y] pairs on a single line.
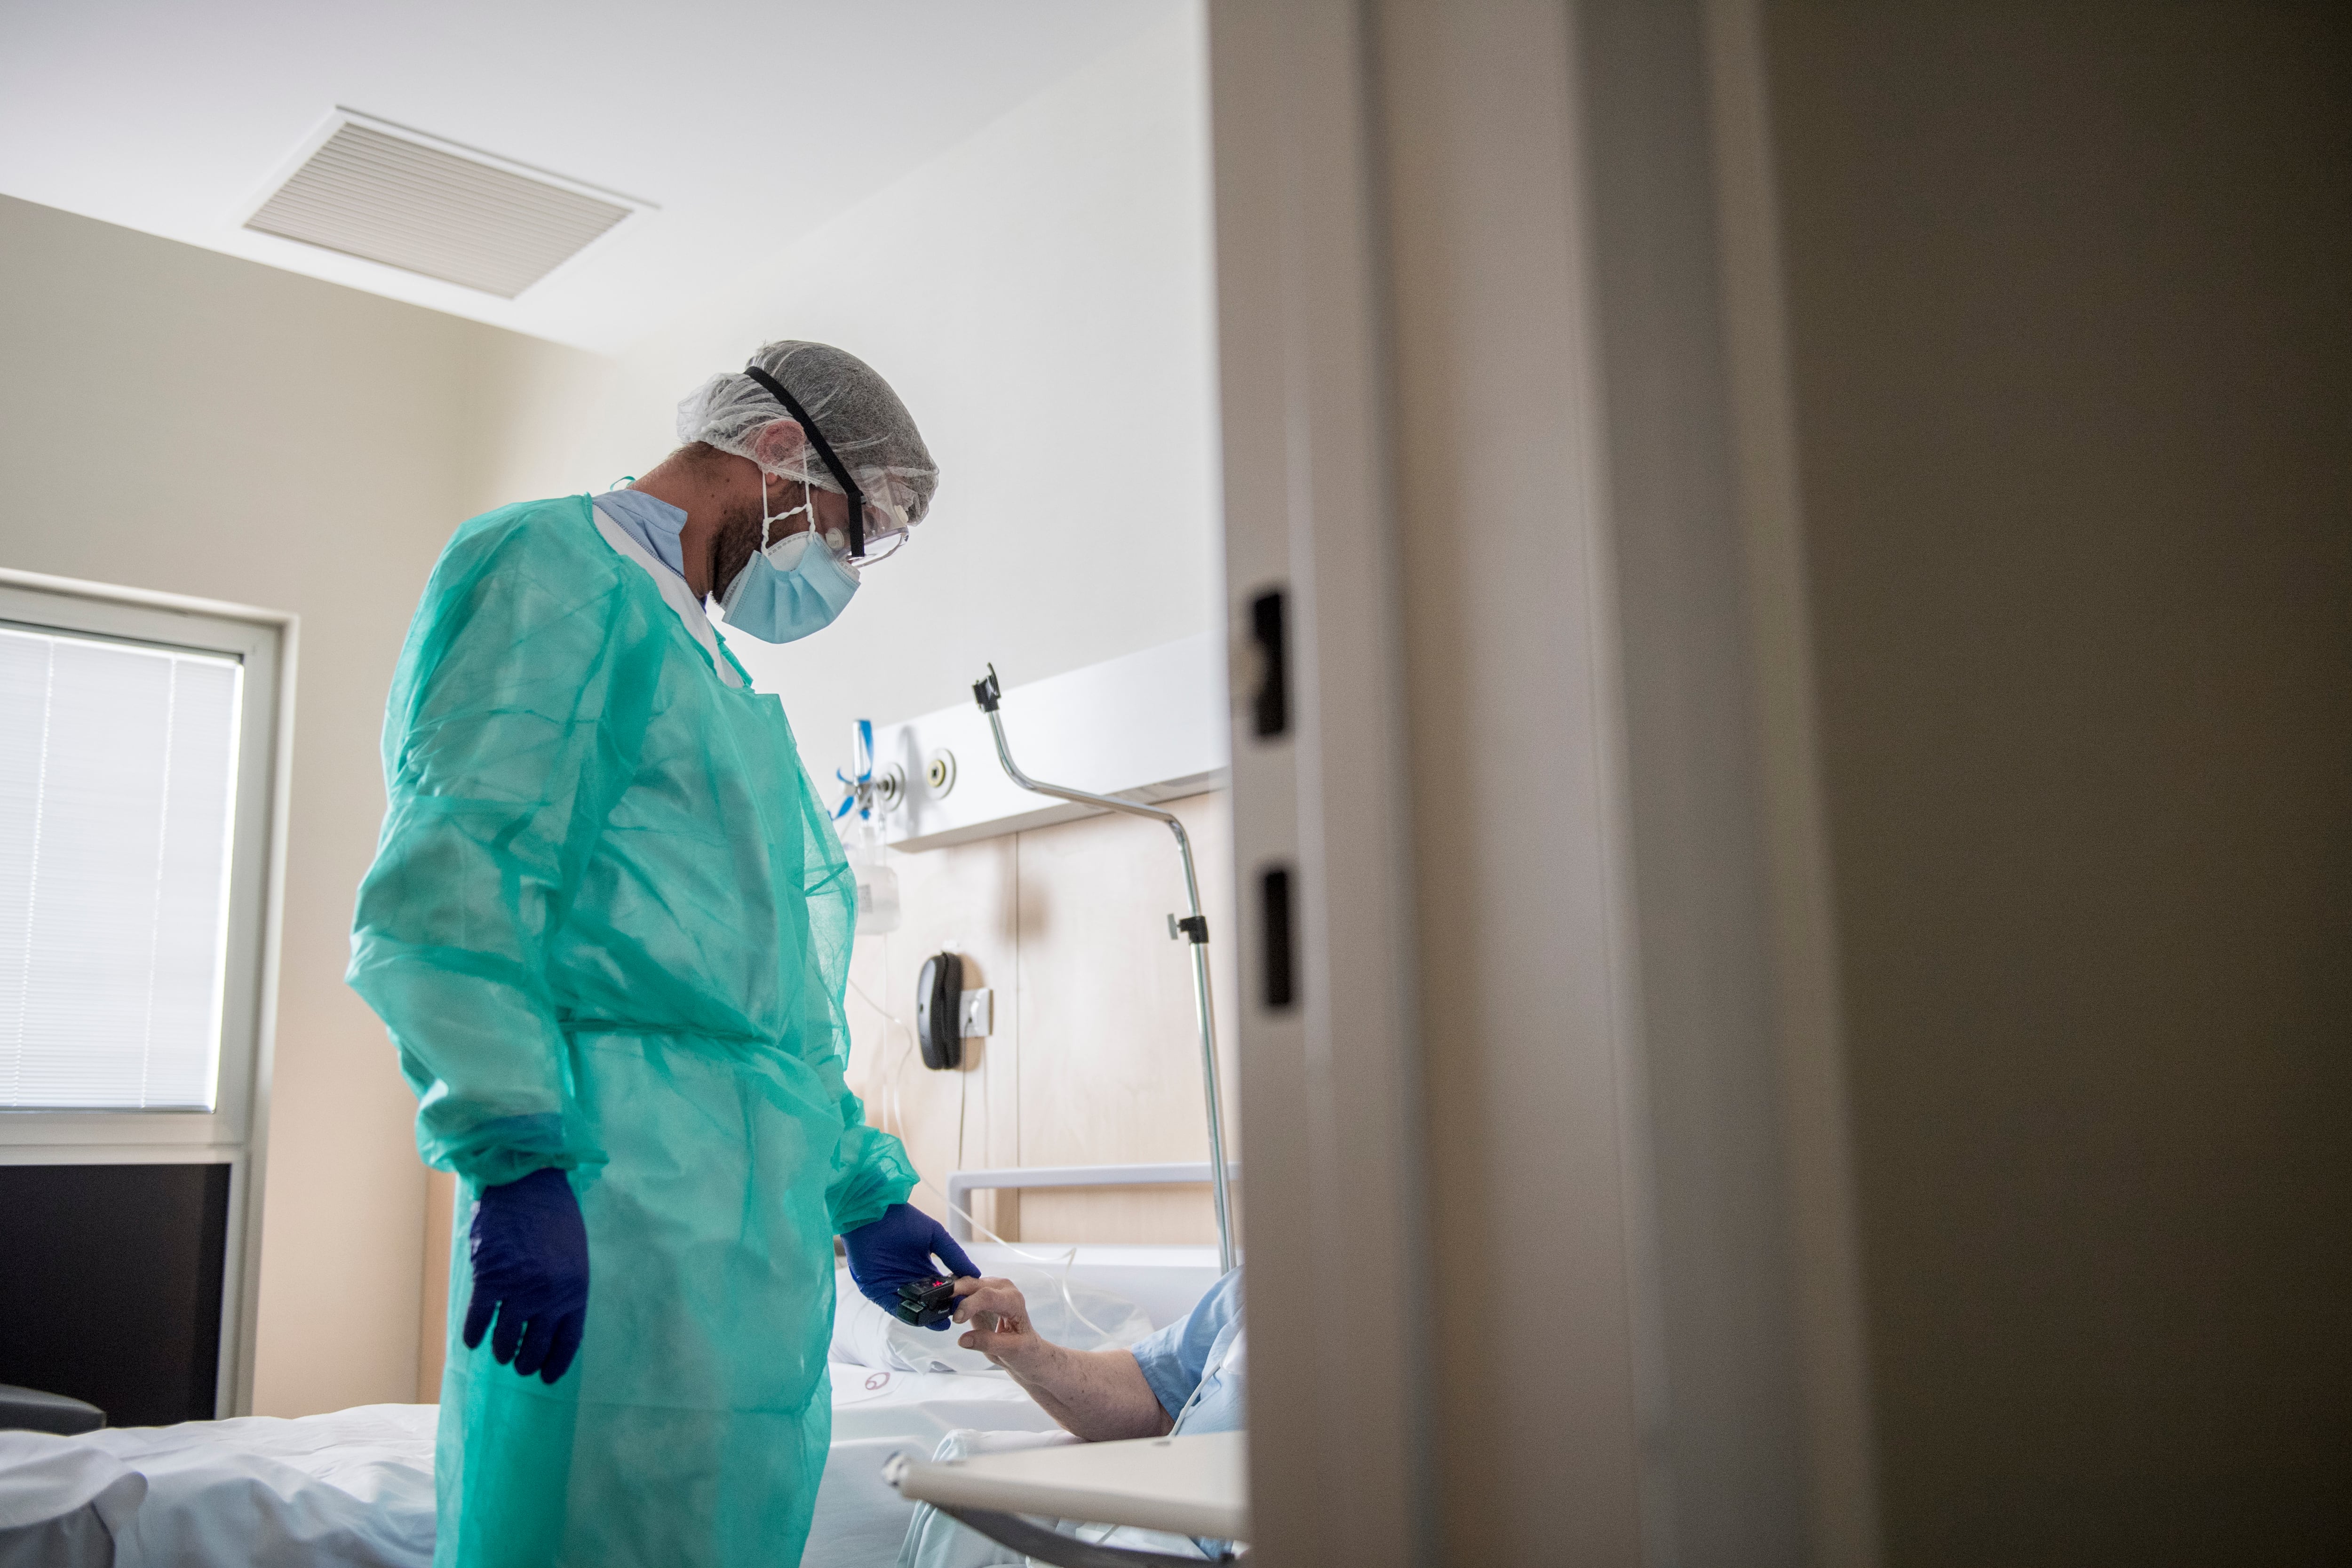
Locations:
{"points": [[899, 1249], [530, 1268]]}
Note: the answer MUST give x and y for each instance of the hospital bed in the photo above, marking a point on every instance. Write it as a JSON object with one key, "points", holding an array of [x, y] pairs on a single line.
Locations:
{"points": [[353, 1488]]}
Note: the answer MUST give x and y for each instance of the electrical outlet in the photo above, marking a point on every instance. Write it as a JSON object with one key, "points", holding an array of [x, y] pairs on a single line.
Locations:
{"points": [[978, 1014]]}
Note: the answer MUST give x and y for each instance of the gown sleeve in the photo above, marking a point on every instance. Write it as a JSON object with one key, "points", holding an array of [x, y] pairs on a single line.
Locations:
{"points": [[514, 727], [871, 1168]]}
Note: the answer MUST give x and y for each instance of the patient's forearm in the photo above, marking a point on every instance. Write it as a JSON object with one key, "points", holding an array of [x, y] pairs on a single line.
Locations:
{"points": [[1099, 1395]]}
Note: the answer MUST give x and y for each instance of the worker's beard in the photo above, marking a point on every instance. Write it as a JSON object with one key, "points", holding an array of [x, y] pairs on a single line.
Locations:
{"points": [[738, 537]]}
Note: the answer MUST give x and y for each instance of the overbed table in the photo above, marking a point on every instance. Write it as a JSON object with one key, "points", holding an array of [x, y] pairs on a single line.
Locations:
{"points": [[1190, 1486]]}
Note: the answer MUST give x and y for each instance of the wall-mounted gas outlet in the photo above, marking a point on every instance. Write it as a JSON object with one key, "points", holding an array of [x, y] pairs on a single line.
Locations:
{"points": [[978, 1014]]}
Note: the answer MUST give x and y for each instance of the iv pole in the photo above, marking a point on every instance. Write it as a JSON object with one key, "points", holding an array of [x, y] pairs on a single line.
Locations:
{"points": [[1196, 926]]}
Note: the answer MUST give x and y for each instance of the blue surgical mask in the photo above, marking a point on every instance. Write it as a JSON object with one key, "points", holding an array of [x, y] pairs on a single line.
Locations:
{"points": [[785, 592]]}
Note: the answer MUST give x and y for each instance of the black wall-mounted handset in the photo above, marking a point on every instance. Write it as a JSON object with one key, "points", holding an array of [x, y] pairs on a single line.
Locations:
{"points": [[938, 1003]]}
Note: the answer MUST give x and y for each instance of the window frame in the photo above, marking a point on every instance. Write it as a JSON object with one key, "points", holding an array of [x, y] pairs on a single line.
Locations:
{"points": [[233, 1131]]}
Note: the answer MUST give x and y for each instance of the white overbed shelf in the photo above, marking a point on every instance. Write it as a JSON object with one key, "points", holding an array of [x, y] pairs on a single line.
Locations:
{"points": [[1193, 1486]]}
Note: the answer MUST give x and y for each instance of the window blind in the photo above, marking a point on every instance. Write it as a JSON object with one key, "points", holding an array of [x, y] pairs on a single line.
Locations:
{"points": [[118, 794]]}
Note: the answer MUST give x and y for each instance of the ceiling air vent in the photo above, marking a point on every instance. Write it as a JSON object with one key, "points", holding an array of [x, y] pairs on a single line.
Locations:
{"points": [[386, 196]]}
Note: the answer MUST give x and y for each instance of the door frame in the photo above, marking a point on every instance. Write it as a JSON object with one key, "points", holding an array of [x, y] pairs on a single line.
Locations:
{"points": [[1549, 1220]]}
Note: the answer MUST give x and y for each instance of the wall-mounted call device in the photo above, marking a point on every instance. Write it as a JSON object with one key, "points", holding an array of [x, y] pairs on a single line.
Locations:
{"points": [[939, 1011]]}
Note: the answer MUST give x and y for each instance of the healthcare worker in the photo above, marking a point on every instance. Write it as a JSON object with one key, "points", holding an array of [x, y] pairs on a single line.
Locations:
{"points": [[608, 927]]}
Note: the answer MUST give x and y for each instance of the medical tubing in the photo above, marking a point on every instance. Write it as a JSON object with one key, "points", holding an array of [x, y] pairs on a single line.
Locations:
{"points": [[985, 692], [1069, 1259]]}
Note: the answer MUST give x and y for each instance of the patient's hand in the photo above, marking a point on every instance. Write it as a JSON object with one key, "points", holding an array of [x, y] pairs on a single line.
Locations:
{"points": [[999, 1317], [1099, 1395]]}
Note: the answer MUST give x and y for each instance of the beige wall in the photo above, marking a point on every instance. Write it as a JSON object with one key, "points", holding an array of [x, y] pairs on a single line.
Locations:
{"points": [[2073, 363], [177, 420], [1096, 1058]]}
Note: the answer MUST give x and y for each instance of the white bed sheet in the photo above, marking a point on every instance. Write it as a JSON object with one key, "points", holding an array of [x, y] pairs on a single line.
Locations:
{"points": [[354, 1488], [351, 1487]]}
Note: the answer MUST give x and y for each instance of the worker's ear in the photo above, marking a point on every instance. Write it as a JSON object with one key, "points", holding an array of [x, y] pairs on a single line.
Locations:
{"points": [[778, 444]]}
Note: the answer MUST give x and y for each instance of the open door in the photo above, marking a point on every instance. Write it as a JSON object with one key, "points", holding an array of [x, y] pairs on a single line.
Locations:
{"points": [[1547, 1223]]}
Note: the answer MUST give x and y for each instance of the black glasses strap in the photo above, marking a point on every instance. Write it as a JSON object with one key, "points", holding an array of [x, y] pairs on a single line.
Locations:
{"points": [[824, 450]]}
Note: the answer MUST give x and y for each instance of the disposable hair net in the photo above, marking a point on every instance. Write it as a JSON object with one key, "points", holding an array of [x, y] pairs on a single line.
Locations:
{"points": [[855, 409]]}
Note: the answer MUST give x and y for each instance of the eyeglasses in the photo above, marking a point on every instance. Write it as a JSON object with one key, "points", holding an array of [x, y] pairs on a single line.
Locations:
{"points": [[881, 546], [885, 531]]}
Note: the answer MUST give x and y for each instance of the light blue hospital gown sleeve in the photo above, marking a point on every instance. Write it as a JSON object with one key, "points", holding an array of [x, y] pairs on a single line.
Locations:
{"points": [[1174, 1358]]}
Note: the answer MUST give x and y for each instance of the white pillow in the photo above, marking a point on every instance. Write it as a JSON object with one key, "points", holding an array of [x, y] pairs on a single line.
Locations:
{"points": [[1069, 1313]]}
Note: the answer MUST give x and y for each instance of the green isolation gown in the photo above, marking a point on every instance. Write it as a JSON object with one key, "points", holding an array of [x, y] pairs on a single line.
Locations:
{"points": [[608, 926]]}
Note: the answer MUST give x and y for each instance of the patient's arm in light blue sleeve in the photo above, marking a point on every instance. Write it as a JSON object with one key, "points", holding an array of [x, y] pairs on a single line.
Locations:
{"points": [[1174, 1358]]}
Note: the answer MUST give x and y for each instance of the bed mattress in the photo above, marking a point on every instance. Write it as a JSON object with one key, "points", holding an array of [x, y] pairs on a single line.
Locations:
{"points": [[354, 1488]]}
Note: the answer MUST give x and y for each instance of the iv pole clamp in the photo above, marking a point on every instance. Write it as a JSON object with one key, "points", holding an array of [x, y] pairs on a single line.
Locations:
{"points": [[1196, 926]]}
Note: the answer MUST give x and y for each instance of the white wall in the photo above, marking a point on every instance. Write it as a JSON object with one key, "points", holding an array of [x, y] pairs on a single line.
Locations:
{"points": [[1040, 296], [180, 420]]}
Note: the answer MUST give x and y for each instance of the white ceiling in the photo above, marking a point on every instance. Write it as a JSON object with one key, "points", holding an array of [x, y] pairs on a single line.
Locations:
{"points": [[748, 122]]}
